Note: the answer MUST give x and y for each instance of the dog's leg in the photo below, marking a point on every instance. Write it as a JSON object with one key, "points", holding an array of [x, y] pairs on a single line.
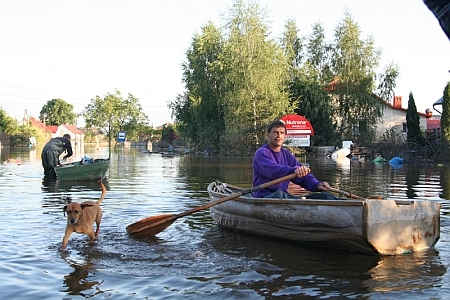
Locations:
{"points": [[97, 222], [91, 236], [65, 240]]}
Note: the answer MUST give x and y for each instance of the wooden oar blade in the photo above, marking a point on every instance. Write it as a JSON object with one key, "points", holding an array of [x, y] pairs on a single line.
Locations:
{"points": [[151, 225]]}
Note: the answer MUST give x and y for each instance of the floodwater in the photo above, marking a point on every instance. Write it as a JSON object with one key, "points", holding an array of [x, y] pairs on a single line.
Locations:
{"points": [[193, 258]]}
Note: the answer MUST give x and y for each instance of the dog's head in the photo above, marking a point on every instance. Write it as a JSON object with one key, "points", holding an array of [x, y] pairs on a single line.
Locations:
{"points": [[74, 211]]}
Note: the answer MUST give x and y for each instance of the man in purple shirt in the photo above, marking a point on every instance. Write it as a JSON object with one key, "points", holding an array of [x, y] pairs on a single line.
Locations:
{"points": [[272, 161]]}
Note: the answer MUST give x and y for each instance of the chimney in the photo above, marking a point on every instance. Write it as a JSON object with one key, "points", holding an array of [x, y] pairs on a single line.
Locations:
{"points": [[397, 101]]}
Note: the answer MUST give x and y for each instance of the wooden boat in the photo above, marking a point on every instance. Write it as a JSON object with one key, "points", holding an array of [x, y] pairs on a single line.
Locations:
{"points": [[385, 227], [83, 170]]}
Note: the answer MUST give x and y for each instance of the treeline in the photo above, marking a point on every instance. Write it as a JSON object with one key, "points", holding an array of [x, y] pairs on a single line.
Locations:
{"points": [[237, 79], [104, 116]]}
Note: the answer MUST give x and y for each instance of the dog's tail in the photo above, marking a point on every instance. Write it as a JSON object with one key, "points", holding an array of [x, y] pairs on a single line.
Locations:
{"points": [[99, 201]]}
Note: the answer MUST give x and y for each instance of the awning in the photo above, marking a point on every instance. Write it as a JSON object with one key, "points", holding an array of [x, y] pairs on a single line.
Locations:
{"points": [[438, 102]]}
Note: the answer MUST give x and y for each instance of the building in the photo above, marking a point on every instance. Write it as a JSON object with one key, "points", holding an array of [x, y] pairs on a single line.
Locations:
{"points": [[394, 116], [76, 135]]}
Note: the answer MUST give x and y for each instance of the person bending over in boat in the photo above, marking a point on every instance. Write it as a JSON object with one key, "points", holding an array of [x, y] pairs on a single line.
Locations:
{"points": [[272, 161], [51, 152]]}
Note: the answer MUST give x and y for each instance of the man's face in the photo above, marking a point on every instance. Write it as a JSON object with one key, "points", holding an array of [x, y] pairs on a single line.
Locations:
{"points": [[276, 136]]}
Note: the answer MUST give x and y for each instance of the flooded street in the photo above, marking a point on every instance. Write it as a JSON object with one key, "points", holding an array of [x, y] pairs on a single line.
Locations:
{"points": [[193, 258]]}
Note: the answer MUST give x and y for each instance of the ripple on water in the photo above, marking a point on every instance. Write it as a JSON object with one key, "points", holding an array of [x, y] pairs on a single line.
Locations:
{"points": [[193, 258]]}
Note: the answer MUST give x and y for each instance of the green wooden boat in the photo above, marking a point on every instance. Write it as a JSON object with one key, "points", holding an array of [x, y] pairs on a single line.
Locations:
{"points": [[94, 169]]}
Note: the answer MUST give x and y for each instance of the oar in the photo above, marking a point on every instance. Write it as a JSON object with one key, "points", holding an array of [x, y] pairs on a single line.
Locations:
{"points": [[155, 224], [350, 195], [346, 194]]}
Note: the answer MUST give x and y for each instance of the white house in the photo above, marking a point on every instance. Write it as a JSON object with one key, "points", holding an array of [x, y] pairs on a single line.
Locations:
{"points": [[394, 116]]}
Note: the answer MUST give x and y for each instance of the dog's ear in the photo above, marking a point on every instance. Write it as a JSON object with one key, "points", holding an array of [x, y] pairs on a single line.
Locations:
{"points": [[83, 206], [64, 210]]}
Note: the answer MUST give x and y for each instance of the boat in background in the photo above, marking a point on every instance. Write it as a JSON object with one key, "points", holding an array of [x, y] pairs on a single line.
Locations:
{"points": [[396, 162], [372, 226], [379, 159], [343, 152], [92, 169]]}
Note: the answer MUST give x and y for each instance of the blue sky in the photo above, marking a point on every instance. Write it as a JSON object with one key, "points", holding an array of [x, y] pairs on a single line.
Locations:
{"points": [[76, 50]]}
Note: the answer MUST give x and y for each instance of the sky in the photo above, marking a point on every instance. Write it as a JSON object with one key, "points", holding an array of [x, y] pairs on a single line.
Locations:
{"points": [[77, 50]]}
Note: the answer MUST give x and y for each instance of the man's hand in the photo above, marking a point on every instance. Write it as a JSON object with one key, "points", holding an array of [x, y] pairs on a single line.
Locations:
{"points": [[302, 171], [323, 186], [295, 189]]}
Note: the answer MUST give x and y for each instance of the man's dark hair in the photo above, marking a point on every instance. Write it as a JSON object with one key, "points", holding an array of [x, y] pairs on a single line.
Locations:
{"points": [[276, 123], [67, 136]]}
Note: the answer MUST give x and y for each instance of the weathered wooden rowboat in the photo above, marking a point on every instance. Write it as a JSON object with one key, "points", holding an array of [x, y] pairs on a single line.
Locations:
{"points": [[92, 170], [372, 226]]}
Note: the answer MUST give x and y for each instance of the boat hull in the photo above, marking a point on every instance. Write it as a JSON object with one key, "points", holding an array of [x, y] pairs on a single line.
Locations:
{"points": [[385, 227], [88, 171]]}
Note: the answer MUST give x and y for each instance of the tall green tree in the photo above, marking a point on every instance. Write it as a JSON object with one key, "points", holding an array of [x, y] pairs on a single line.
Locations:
{"points": [[354, 61], [57, 112], [318, 66], [315, 105], [445, 117], [114, 113], [387, 82], [413, 134], [292, 45], [306, 92], [202, 103], [7, 124], [256, 73]]}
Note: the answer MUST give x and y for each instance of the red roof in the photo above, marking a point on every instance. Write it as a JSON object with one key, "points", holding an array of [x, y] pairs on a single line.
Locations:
{"points": [[37, 123], [433, 124], [52, 128], [73, 129]]}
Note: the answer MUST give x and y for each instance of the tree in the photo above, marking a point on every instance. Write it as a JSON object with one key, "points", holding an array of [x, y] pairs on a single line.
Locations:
{"points": [[202, 102], [57, 112], [315, 106], [306, 93], [388, 82], [292, 45], [413, 133], [318, 57], [353, 62], [113, 113], [256, 71], [7, 124], [445, 117]]}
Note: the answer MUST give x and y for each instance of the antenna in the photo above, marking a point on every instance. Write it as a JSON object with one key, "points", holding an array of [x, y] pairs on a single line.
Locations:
{"points": [[25, 118]]}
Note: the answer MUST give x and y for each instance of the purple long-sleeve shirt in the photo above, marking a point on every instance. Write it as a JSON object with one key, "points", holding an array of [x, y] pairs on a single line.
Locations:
{"points": [[269, 165]]}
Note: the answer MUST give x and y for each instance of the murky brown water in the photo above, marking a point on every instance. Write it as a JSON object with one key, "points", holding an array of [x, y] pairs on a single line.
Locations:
{"points": [[193, 258]]}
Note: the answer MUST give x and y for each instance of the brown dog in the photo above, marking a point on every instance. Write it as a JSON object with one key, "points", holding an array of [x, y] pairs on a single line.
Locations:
{"points": [[81, 216]]}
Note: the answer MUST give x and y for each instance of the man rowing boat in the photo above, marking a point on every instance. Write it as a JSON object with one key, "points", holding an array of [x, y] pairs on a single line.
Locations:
{"points": [[272, 161]]}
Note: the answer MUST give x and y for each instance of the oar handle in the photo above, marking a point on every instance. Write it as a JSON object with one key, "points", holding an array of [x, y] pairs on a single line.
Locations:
{"points": [[236, 195], [346, 194]]}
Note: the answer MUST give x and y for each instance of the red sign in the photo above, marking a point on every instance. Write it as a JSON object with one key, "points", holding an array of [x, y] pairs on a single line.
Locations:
{"points": [[297, 125]]}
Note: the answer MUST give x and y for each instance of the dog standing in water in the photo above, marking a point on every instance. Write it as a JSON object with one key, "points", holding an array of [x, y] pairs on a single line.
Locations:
{"points": [[81, 216]]}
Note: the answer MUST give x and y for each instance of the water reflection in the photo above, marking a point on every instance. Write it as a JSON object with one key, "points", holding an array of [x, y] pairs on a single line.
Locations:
{"points": [[444, 181], [293, 270], [81, 281], [415, 271], [78, 282]]}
